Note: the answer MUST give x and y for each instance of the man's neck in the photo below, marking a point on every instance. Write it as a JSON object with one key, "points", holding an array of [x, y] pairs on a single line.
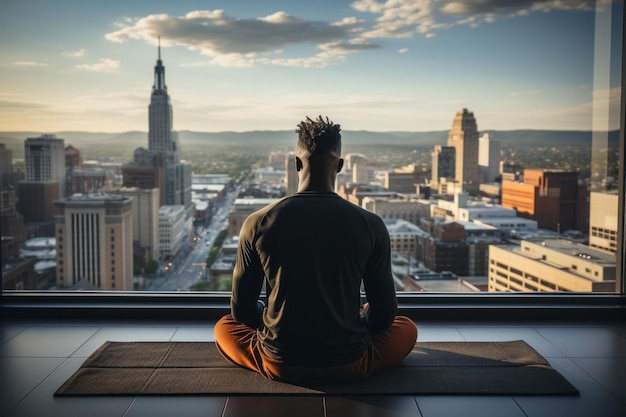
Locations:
{"points": [[314, 189], [311, 185]]}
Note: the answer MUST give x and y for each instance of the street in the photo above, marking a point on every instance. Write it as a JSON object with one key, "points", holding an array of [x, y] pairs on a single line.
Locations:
{"points": [[189, 266]]}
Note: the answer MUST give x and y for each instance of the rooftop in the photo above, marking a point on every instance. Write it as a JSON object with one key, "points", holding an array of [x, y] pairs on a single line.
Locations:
{"points": [[578, 250], [95, 197]]}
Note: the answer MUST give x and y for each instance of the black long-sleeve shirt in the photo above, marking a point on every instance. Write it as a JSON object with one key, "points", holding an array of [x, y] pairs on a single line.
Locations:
{"points": [[313, 250]]}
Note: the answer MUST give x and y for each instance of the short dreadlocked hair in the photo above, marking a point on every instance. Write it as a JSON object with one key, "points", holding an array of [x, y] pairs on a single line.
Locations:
{"points": [[319, 136]]}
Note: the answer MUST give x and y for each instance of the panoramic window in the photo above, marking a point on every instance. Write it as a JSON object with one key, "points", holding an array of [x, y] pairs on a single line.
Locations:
{"points": [[137, 137]]}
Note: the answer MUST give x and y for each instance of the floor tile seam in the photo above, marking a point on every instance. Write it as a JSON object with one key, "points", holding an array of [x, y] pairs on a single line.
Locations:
{"points": [[85, 342], [591, 377], [419, 410], [15, 335], [225, 405], [623, 337], [577, 356], [542, 337], [171, 339], [604, 387], [44, 379], [519, 405], [129, 407], [527, 328], [40, 357], [551, 343], [463, 337], [104, 328]]}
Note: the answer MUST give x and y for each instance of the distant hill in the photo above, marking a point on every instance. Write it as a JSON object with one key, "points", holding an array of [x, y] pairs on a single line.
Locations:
{"points": [[126, 142]]}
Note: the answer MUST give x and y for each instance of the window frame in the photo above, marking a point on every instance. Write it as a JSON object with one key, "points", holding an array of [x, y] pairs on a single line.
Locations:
{"points": [[207, 306], [151, 306]]}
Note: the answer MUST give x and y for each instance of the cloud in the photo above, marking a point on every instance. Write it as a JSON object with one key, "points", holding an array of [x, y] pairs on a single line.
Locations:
{"points": [[487, 7], [525, 93], [29, 64], [74, 54], [11, 102], [105, 65], [403, 50], [398, 18], [229, 41], [282, 39], [353, 45], [320, 60], [215, 33], [405, 18]]}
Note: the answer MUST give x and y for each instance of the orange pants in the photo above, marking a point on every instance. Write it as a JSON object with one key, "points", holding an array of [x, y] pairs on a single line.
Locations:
{"points": [[239, 344]]}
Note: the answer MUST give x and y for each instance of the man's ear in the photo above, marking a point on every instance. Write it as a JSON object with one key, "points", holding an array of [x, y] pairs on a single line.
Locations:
{"points": [[298, 164], [339, 164]]}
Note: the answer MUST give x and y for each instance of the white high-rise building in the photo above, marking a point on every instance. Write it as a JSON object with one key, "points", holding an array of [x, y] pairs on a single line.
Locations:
{"points": [[365, 171], [488, 158], [172, 230]]}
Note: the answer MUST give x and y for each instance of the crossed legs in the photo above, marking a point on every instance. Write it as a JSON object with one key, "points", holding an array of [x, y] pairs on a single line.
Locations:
{"points": [[239, 344]]}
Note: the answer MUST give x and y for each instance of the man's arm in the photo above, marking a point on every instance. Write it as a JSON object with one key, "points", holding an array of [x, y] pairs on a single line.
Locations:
{"points": [[248, 279], [378, 282]]}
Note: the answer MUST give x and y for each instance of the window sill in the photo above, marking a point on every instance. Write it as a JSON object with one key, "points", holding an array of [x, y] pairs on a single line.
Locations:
{"points": [[202, 306]]}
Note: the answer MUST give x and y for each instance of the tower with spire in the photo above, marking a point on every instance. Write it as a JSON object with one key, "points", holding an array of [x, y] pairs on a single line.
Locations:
{"points": [[160, 166], [162, 138]]}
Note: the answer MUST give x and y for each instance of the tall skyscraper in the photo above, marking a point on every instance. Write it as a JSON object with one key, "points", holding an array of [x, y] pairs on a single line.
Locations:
{"points": [[488, 158], [163, 151], [463, 137], [161, 137]]}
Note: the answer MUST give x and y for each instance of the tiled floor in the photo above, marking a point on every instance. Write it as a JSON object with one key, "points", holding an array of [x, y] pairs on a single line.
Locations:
{"points": [[37, 357]]}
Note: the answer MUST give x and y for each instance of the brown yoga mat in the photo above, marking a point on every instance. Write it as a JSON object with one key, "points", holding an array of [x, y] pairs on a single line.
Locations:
{"points": [[179, 368]]}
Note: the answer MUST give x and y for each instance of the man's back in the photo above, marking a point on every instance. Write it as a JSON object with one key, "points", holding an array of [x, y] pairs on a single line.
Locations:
{"points": [[314, 249]]}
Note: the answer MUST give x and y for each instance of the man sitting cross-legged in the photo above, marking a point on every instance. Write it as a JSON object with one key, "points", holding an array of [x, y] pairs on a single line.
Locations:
{"points": [[314, 250]]}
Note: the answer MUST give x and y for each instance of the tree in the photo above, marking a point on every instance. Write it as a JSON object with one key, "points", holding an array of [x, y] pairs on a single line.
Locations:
{"points": [[152, 267], [217, 245]]}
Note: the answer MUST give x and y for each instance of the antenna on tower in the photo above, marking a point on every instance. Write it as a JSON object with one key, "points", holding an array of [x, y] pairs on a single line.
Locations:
{"points": [[159, 43]]}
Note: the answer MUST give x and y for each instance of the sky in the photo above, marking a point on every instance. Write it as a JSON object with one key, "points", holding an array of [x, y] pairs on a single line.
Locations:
{"points": [[241, 65]]}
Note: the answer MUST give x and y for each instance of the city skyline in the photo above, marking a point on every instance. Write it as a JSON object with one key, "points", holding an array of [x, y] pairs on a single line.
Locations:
{"points": [[244, 65]]}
